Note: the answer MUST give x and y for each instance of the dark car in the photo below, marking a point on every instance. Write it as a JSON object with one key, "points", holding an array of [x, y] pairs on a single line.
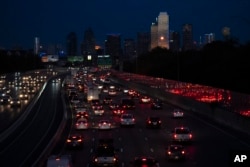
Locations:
{"points": [[156, 104], [128, 104], [15, 102], [118, 111], [107, 100], [153, 122], [74, 141], [144, 161], [175, 152], [5, 99]]}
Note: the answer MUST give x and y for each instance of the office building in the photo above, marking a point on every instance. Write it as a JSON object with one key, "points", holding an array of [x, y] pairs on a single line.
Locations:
{"points": [[174, 43], [187, 37], [160, 31], [113, 48], [72, 44], [143, 43], [129, 50], [208, 38]]}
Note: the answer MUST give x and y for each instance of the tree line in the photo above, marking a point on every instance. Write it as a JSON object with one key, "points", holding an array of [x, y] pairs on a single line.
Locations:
{"points": [[220, 64]]}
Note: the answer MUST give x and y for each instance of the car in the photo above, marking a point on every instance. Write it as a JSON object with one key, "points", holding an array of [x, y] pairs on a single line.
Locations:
{"points": [[128, 104], [135, 95], [178, 113], [182, 134], [80, 108], [81, 123], [83, 114], [145, 99], [74, 141], [104, 124], [144, 161], [75, 100], [5, 99], [107, 100], [59, 160], [153, 122], [15, 102], [23, 96], [118, 111], [113, 105], [175, 152], [112, 92], [157, 104], [105, 155], [98, 109], [127, 120]]}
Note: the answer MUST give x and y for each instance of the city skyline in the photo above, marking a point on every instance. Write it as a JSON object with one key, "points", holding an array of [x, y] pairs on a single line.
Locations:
{"points": [[53, 21]]}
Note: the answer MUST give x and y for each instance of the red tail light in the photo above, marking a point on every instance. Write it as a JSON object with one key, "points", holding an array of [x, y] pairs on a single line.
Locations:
{"points": [[190, 136]]}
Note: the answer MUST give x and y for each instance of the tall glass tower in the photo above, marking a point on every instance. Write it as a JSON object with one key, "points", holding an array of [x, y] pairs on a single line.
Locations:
{"points": [[160, 31]]}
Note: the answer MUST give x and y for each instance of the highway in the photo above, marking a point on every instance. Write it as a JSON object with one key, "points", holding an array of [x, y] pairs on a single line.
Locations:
{"points": [[29, 140], [211, 146], [212, 143]]}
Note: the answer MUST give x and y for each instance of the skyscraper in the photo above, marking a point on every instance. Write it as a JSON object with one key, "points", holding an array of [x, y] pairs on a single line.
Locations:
{"points": [[113, 48], [72, 44], [174, 43], [160, 31], [129, 49], [88, 44], [187, 35], [143, 43], [208, 38]]}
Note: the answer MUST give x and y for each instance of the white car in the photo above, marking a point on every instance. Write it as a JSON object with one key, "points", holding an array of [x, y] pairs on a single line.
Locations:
{"points": [[127, 120], [104, 124], [182, 134], [81, 123], [112, 92], [177, 113], [145, 99], [98, 109]]}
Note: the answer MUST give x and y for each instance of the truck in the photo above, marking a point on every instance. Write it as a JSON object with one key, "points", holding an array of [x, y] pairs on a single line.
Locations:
{"points": [[93, 93]]}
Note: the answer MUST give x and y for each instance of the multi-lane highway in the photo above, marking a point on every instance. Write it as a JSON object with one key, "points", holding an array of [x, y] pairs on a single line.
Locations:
{"points": [[27, 141], [211, 146]]}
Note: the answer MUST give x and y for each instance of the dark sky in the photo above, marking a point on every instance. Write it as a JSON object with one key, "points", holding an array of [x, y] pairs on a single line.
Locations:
{"points": [[53, 20]]}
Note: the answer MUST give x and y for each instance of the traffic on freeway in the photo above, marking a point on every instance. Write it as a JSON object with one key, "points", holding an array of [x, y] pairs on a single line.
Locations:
{"points": [[140, 132], [130, 131]]}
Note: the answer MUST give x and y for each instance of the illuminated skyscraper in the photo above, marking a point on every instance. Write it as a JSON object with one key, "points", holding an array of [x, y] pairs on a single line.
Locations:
{"points": [[208, 38], [160, 31]]}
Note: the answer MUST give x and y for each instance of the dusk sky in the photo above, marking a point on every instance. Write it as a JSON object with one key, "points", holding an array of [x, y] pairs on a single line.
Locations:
{"points": [[53, 20]]}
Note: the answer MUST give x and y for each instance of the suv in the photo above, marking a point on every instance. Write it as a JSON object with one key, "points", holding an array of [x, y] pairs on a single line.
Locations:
{"points": [[105, 155]]}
